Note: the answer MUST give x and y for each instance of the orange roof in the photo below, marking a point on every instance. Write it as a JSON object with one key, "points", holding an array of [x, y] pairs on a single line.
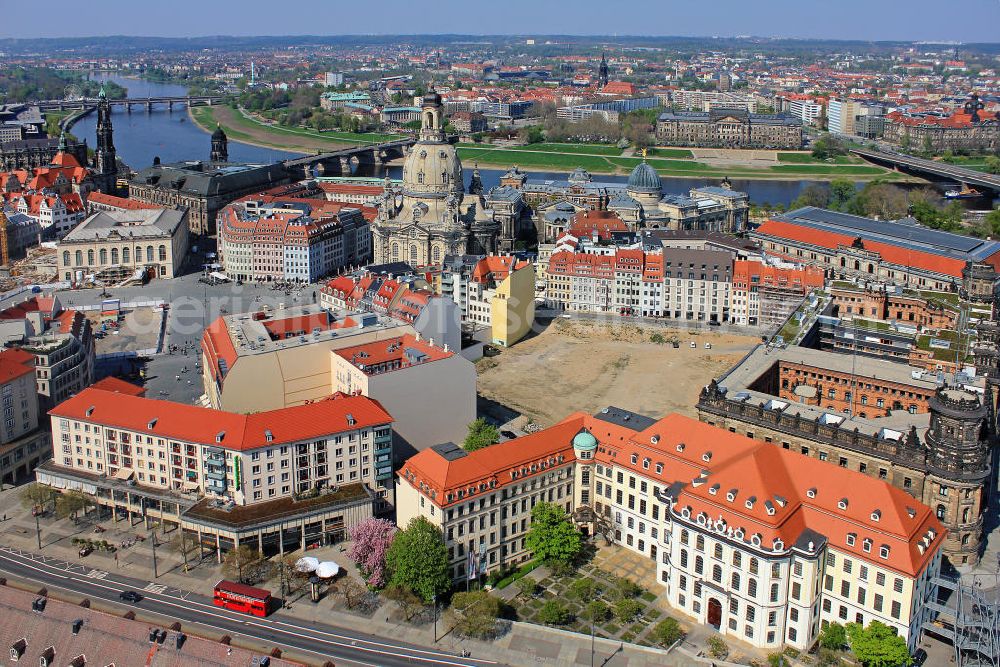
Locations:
{"points": [[15, 363], [744, 271], [218, 349], [700, 465], [114, 384], [890, 253], [391, 354], [497, 267], [190, 423], [118, 202]]}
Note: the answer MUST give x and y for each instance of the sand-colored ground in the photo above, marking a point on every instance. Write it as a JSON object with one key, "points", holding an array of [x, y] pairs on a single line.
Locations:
{"points": [[575, 365]]}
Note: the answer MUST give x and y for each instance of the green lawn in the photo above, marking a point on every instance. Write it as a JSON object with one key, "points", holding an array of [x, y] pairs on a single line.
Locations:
{"points": [[630, 163], [206, 116], [586, 149], [807, 158], [677, 153], [806, 169], [561, 161]]}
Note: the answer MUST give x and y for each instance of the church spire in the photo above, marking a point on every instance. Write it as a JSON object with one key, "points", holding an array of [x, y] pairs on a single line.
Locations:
{"points": [[105, 157], [602, 72]]}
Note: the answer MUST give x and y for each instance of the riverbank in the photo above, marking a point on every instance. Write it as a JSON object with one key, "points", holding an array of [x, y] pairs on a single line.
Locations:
{"points": [[249, 131]]}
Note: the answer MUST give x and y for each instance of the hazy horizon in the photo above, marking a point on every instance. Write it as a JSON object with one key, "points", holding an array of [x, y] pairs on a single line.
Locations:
{"points": [[862, 20]]}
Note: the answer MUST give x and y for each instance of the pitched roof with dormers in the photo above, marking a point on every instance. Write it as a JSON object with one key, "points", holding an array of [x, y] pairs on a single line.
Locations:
{"points": [[761, 494]]}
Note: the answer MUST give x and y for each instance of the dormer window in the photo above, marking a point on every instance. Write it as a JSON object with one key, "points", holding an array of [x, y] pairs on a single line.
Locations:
{"points": [[635, 459], [876, 515], [811, 492], [883, 551], [866, 545], [714, 489], [152, 424], [750, 502], [655, 439], [731, 495], [645, 464], [268, 436], [680, 446], [659, 468], [842, 503], [706, 457], [851, 539]]}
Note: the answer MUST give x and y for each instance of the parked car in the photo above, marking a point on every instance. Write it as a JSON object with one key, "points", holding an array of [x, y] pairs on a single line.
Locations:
{"points": [[508, 434], [694, 345], [130, 596], [708, 346]]}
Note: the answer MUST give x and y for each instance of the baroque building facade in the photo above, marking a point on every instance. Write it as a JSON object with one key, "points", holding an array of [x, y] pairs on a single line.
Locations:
{"points": [[426, 217]]}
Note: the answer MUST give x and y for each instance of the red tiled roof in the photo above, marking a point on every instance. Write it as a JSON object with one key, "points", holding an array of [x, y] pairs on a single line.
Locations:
{"points": [[897, 255], [708, 463], [239, 432], [118, 202], [15, 363], [390, 350], [114, 384]]}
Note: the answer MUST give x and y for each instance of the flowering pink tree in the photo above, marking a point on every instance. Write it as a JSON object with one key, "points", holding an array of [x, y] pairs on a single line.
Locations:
{"points": [[370, 541]]}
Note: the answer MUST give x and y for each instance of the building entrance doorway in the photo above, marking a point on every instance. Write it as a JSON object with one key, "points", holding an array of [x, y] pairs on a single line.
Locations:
{"points": [[714, 613]]}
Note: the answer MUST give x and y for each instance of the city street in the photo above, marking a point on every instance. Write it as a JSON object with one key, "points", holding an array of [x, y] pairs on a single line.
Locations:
{"points": [[346, 647]]}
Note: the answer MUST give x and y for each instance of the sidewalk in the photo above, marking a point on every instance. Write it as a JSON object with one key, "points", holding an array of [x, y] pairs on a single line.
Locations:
{"points": [[522, 644]]}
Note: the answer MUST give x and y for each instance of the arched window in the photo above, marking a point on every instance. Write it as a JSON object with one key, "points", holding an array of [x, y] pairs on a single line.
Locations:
{"points": [[857, 265], [965, 515], [941, 512], [684, 558], [79, 258], [717, 574], [126, 255], [90, 257], [737, 559], [395, 251], [114, 255], [163, 253], [65, 257], [752, 587], [149, 253], [718, 551], [774, 592], [413, 253], [699, 565], [735, 584], [437, 254], [104, 255], [428, 119], [753, 566], [684, 536], [699, 543], [871, 268]]}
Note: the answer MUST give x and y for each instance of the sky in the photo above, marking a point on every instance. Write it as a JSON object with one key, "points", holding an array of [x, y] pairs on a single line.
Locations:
{"points": [[965, 20]]}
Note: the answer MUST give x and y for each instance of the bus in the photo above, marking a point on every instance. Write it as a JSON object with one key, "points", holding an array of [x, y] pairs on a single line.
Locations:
{"points": [[243, 598]]}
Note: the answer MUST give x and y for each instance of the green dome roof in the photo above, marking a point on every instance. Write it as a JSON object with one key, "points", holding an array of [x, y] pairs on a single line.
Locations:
{"points": [[644, 179], [585, 441]]}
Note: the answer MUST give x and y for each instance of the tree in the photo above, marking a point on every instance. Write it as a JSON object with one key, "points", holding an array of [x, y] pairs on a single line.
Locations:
{"points": [[596, 611], [554, 613], [354, 593], [717, 647], [69, 504], [36, 495], [418, 559], [370, 541], [182, 545], [842, 193], [813, 194], [245, 565], [993, 220], [284, 567], [476, 614], [527, 587], [993, 165], [583, 589], [833, 637], [481, 434], [666, 632], [878, 645], [552, 538], [626, 610], [626, 589], [409, 603]]}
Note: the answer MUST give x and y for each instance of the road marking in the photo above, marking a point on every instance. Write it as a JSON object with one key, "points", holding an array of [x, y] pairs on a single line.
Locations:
{"points": [[97, 574], [398, 651]]}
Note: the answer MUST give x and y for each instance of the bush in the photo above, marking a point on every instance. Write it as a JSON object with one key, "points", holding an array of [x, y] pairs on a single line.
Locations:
{"points": [[554, 613], [833, 637], [596, 611], [509, 578], [527, 586], [717, 647], [626, 610], [583, 589], [666, 632], [625, 589]]}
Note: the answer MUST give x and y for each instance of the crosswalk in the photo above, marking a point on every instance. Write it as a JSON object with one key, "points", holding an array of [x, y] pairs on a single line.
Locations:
{"points": [[154, 588], [97, 574]]}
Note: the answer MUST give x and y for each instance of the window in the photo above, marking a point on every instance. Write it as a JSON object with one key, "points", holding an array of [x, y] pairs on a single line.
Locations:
{"points": [[896, 609], [699, 565], [897, 585], [718, 551], [796, 591], [774, 592], [752, 587], [717, 573], [735, 583]]}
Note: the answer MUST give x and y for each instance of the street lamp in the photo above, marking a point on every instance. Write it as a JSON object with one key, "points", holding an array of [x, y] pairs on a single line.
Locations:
{"points": [[591, 642], [38, 532], [435, 600]]}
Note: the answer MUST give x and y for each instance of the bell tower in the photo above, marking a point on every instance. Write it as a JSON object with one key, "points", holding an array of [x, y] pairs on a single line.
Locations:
{"points": [[959, 443], [105, 158], [220, 145]]}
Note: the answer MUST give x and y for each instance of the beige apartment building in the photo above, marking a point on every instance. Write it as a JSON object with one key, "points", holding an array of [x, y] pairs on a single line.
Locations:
{"points": [[275, 479]]}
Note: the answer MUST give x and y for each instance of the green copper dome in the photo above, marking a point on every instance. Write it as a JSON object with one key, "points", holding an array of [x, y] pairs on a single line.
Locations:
{"points": [[584, 441], [644, 179]]}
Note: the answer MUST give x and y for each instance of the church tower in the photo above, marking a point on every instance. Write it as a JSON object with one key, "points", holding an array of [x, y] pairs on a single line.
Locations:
{"points": [[959, 443], [602, 73], [220, 145], [105, 158]]}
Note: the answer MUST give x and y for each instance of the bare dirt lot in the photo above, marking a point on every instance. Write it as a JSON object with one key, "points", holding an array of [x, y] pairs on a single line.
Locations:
{"points": [[585, 366]]}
